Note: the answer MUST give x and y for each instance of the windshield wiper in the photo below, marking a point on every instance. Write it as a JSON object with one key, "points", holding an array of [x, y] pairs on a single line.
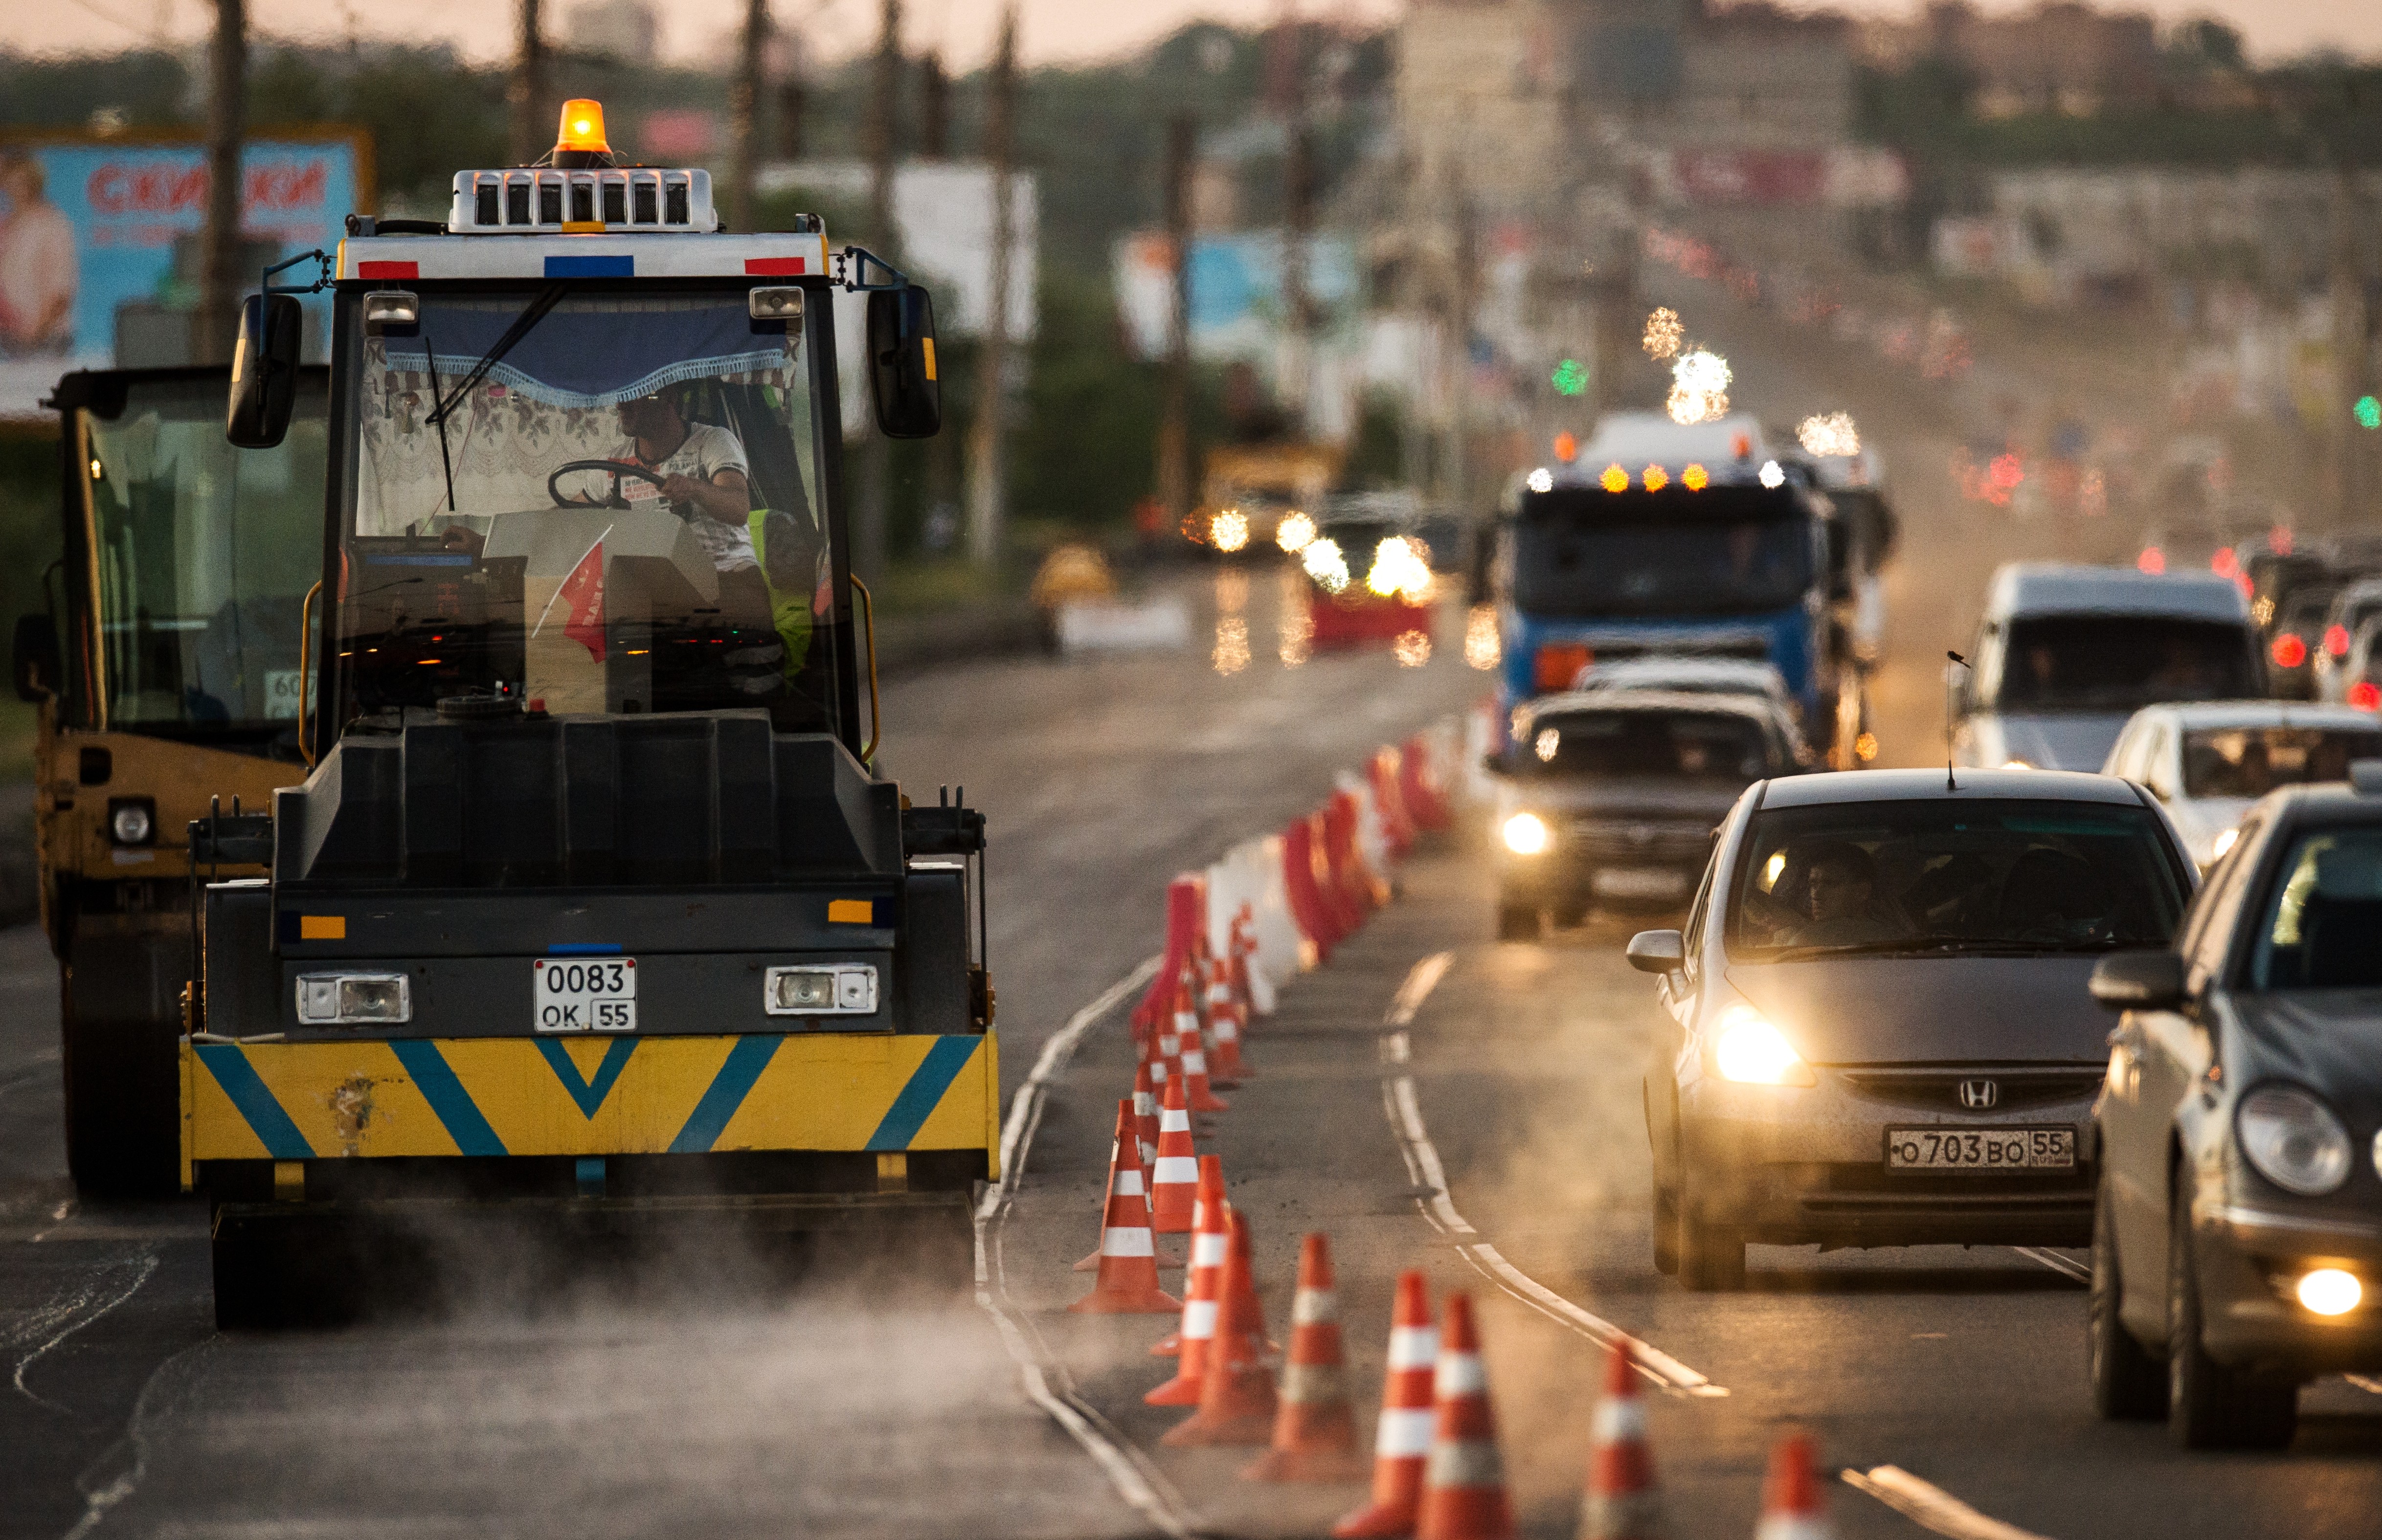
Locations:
{"points": [[1969, 945], [447, 401]]}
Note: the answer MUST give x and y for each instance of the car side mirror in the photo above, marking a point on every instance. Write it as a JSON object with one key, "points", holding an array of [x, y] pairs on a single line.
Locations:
{"points": [[1657, 952], [36, 658], [2139, 981], [264, 370], [1493, 761], [902, 362]]}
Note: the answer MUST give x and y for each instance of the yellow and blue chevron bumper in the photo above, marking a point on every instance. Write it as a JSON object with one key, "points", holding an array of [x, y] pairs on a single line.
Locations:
{"points": [[590, 1096]]}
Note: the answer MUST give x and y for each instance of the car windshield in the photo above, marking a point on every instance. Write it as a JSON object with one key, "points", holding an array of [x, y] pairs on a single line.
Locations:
{"points": [[2320, 927], [2305, 609], [202, 557], [1667, 744], [1726, 550], [2251, 762], [2119, 662], [1950, 877], [622, 515]]}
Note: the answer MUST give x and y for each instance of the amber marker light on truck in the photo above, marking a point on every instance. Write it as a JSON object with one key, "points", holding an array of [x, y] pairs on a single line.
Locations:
{"points": [[583, 127]]}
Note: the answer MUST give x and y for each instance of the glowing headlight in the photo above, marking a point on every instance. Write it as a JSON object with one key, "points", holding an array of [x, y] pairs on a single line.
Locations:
{"points": [[2331, 1292], [1229, 530], [1525, 834], [1293, 532], [133, 823], [1325, 564], [1750, 1051], [2016, 764], [2293, 1140], [2224, 843]]}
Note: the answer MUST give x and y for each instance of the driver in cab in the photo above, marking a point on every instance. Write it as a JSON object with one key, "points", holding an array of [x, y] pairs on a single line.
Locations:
{"points": [[702, 474]]}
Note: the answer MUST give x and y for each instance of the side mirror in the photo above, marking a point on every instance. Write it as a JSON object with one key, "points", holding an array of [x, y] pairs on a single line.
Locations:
{"points": [[1657, 952], [2139, 981], [902, 362], [264, 370], [1493, 761], [36, 659]]}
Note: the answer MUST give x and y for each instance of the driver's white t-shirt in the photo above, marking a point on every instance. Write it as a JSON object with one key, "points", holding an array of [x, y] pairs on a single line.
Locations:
{"points": [[707, 451]]}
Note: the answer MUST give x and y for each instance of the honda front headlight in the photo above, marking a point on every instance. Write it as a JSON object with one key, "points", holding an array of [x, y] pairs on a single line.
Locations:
{"points": [[1525, 834], [1749, 1049]]}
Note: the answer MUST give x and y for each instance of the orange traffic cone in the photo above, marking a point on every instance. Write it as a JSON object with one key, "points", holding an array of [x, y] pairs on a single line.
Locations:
{"points": [[1198, 1098], [1203, 1294], [1792, 1506], [1128, 1278], [1621, 1503], [1315, 1432], [1227, 1014], [1237, 1402], [1145, 1117], [1205, 1280], [1174, 1176], [1402, 1439], [1463, 1488]]}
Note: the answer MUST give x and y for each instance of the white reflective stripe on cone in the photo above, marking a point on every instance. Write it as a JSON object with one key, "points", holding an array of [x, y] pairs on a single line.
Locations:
{"points": [[1795, 1526], [1308, 1383], [1127, 1184], [1194, 1062], [1619, 1420], [1174, 1119], [1135, 1242], [1405, 1433], [1199, 1317], [1459, 1375], [1414, 1347], [1207, 1249], [1465, 1463], [1227, 1030], [1314, 1306], [1178, 1171]]}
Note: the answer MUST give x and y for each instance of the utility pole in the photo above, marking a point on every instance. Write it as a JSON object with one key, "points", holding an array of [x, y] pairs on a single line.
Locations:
{"points": [[792, 102], [221, 278], [1453, 470], [934, 109], [868, 547], [2351, 345], [988, 477], [744, 119], [1298, 302], [526, 95], [1174, 410]]}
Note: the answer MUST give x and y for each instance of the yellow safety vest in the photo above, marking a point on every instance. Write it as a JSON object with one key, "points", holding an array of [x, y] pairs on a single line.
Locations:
{"points": [[789, 612]]}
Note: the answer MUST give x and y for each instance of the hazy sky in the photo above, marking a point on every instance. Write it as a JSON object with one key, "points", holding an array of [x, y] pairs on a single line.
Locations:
{"points": [[1053, 30]]}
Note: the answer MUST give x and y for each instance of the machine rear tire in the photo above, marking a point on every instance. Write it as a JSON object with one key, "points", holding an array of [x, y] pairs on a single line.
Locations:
{"points": [[252, 1288], [123, 1109], [1517, 922], [2128, 1382], [2210, 1406], [1666, 1233], [1711, 1257]]}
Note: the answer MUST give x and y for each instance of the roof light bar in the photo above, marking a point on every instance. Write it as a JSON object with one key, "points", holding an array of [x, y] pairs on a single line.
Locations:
{"points": [[602, 200]]}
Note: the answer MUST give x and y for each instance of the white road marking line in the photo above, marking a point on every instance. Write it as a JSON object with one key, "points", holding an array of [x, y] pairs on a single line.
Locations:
{"points": [[95, 1297], [1143, 1487], [2372, 1387], [2056, 1262], [1403, 1110], [1931, 1506]]}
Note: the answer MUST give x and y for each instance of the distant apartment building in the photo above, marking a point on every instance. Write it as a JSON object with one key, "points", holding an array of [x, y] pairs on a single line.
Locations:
{"points": [[2058, 57]]}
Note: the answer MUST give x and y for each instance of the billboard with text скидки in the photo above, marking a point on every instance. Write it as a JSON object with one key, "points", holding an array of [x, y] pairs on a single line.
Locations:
{"points": [[100, 243]]}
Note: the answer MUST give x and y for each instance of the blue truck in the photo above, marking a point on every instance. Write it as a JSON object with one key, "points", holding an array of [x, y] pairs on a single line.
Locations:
{"points": [[1658, 539]]}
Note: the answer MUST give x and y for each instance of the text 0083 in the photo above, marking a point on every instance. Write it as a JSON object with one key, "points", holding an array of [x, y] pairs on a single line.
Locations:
{"points": [[584, 994]]}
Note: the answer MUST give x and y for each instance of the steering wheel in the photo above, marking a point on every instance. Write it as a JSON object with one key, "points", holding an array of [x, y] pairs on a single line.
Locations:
{"points": [[616, 468]]}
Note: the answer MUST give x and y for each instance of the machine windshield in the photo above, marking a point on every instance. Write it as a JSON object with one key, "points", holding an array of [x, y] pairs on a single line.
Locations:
{"points": [[202, 555], [2321, 926], [2120, 662], [1949, 879], [1671, 745], [621, 514], [2251, 762], [1584, 551]]}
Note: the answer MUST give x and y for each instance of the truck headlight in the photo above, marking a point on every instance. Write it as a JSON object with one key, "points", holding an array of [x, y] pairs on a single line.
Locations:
{"points": [[2331, 1292], [2292, 1140], [132, 821], [837, 989], [1525, 834], [353, 1000], [1750, 1051]]}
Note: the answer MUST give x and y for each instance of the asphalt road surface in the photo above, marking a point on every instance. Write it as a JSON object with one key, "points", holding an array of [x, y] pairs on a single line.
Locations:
{"points": [[707, 1394]]}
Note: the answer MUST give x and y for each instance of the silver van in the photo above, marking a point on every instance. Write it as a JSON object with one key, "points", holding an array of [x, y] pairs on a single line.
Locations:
{"points": [[2066, 654]]}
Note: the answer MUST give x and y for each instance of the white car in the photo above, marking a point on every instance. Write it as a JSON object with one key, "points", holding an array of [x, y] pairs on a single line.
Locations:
{"points": [[2207, 761], [1690, 676]]}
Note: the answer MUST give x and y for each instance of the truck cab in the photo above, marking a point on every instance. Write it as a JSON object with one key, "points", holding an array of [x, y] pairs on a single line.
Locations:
{"points": [[166, 667], [1659, 540], [592, 905]]}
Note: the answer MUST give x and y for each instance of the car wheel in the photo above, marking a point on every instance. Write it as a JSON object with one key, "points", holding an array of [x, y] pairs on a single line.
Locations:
{"points": [[1711, 1257], [1517, 922], [2209, 1406], [1666, 1233], [2129, 1383]]}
